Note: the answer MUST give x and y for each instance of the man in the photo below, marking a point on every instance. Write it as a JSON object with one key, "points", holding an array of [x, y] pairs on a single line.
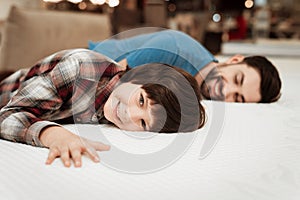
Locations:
{"points": [[83, 86], [239, 79]]}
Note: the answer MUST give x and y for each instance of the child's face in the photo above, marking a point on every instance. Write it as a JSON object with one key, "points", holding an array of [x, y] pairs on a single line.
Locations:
{"points": [[129, 108]]}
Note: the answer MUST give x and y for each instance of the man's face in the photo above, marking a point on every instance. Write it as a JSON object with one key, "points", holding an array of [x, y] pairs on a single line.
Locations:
{"points": [[129, 108], [232, 83]]}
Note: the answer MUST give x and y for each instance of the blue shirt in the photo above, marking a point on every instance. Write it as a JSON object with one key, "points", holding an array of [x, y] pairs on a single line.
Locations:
{"points": [[169, 47]]}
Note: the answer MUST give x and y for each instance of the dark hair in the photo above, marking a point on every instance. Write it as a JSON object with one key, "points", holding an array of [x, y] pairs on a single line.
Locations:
{"points": [[270, 85], [175, 94]]}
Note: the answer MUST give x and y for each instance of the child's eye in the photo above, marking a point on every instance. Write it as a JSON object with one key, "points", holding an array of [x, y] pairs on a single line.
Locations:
{"points": [[141, 100]]}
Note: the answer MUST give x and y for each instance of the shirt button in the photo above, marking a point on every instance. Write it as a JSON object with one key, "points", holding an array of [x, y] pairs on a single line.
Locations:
{"points": [[94, 118], [78, 119]]}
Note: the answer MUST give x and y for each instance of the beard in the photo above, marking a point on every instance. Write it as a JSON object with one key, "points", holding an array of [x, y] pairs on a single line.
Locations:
{"points": [[212, 86]]}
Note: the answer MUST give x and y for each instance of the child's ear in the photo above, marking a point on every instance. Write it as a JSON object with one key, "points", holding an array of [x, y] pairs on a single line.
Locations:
{"points": [[235, 59]]}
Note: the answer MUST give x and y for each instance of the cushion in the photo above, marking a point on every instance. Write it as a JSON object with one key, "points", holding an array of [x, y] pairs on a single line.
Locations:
{"points": [[30, 35]]}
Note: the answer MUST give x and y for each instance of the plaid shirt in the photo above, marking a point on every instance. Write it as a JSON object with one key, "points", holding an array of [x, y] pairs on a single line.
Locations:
{"points": [[68, 86]]}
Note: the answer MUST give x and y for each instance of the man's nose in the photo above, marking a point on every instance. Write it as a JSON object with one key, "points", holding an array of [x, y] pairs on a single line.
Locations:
{"points": [[230, 89]]}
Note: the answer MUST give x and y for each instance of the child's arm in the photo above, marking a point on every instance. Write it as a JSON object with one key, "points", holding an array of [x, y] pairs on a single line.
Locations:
{"points": [[66, 145], [30, 110], [49, 96]]}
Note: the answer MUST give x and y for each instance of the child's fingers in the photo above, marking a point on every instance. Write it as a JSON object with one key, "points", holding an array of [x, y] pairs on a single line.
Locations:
{"points": [[91, 152], [99, 146], [53, 153], [92, 147], [65, 157], [74, 151], [76, 156]]}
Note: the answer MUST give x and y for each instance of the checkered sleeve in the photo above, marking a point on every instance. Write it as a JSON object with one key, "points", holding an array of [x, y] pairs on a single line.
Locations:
{"points": [[31, 109], [57, 88]]}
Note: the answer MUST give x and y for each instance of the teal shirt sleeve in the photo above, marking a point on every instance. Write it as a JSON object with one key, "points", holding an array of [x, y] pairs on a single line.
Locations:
{"points": [[169, 47]]}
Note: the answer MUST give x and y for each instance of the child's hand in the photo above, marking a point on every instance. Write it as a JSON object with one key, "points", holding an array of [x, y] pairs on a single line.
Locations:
{"points": [[68, 146]]}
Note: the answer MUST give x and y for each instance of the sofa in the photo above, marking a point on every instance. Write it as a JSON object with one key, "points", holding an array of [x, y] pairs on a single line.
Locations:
{"points": [[30, 35]]}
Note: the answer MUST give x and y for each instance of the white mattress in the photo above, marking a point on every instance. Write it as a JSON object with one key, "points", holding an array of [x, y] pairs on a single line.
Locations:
{"points": [[282, 47], [256, 157]]}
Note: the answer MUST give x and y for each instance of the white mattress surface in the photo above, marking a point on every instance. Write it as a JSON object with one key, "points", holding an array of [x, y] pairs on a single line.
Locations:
{"points": [[282, 47], [256, 156]]}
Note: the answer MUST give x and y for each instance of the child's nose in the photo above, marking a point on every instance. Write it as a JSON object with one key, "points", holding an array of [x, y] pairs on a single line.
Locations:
{"points": [[135, 113]]}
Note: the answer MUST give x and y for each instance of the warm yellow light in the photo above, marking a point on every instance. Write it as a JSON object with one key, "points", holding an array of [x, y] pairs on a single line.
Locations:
{"points": [[82, 6], [52, 1], [249, 3], [97, 2], [75, 1], [113, 3]]}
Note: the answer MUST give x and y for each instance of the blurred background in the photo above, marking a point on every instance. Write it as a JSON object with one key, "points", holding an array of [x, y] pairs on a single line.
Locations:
{"points": [[211, 22]]}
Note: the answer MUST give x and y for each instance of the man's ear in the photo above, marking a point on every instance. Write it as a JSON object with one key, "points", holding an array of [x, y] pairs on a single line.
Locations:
{"points": [[235, 59]]}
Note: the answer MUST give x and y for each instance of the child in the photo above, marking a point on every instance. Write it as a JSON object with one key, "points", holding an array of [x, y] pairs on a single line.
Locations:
{"points": [[81, 86]]}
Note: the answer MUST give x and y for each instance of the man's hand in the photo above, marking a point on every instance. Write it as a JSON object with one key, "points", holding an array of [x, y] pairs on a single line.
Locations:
{"points": [[68, 146]]}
